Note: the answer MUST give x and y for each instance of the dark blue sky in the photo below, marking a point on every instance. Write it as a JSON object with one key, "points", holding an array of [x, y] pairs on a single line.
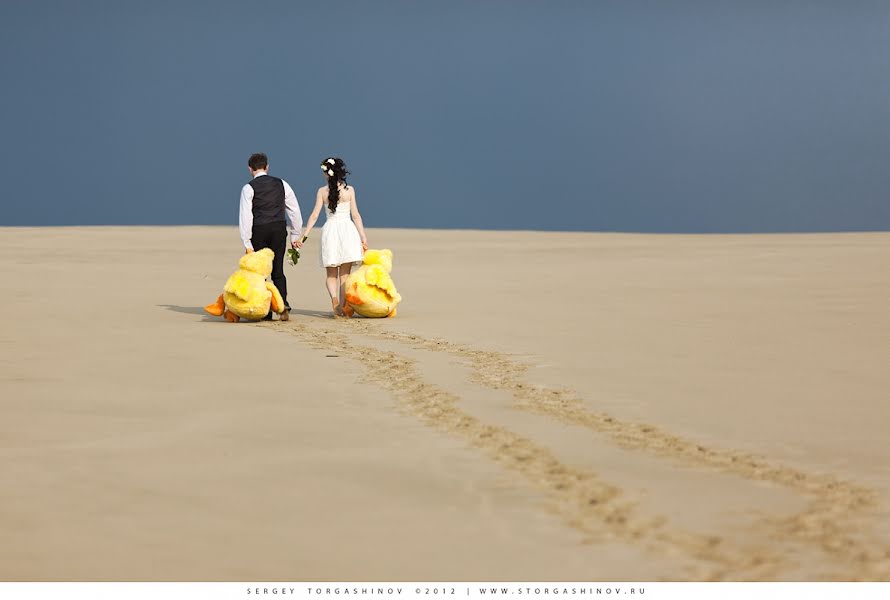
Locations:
{"points": [[633, 116]]}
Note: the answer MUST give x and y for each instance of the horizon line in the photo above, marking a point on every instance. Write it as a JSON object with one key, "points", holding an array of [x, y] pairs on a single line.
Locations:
{"points": [[502, 230]]}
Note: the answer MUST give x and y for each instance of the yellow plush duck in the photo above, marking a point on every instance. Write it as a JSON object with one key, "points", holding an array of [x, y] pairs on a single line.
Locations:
{"points": [[369, 290], [247, 294]]}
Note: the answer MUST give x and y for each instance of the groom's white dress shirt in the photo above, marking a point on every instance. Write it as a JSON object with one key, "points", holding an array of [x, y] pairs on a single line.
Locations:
{"points": [[291, 210]]}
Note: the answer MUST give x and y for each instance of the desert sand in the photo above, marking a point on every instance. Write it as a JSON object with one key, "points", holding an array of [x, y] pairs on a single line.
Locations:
{"points": [[545, 406]]}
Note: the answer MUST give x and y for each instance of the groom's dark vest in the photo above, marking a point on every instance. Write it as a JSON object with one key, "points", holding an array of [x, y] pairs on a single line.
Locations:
{"points": [[268, 199]]}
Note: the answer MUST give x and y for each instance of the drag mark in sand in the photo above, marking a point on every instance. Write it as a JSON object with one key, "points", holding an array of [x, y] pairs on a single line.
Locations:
{"points": [[835, 521], [585, 502]]}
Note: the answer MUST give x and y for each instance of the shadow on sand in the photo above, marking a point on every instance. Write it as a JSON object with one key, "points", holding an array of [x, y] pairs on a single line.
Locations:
{"points": [[198, 310], [193, 310], [189, 310], [318, 314]]}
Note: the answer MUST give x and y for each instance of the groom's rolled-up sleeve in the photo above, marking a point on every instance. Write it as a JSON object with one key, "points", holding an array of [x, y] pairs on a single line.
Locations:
{"points": [[292, 209], [245, 216]]}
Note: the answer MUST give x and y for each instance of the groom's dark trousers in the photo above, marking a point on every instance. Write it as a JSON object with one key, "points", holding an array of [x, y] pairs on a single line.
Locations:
{"points": [[274, 237]]}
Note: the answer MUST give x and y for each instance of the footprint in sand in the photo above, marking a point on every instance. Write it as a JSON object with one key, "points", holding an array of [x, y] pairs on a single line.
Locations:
{"points": [[834, 521]]}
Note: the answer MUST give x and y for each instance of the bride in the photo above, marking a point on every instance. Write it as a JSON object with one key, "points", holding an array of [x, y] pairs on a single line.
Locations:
{"points": [[343, 239]]}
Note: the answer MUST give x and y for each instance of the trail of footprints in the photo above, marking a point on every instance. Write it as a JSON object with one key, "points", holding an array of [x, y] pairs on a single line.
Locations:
{"points": [[835, 520]]}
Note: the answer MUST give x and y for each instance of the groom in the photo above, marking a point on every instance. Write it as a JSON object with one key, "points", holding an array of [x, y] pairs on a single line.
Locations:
{"points": [[266, 202]]}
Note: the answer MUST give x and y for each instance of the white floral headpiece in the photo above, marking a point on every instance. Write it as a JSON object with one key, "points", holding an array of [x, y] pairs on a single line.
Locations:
{"points": [[330, 172]]}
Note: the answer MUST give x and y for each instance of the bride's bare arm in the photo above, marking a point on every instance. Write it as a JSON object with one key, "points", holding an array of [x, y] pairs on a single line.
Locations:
{"points": [[357, 219], [319, 202]]}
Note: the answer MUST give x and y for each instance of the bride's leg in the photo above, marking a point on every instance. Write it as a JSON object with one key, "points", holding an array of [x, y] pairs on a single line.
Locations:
{"points": [[333, 286], [344, 274]]}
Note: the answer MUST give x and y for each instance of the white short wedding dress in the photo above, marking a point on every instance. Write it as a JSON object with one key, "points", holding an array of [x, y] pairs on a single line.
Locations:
{"points": [[340, 241]]}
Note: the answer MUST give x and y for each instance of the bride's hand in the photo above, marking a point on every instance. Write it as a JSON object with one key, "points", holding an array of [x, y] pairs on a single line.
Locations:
{"points": [[297, 244], [364, 246]]}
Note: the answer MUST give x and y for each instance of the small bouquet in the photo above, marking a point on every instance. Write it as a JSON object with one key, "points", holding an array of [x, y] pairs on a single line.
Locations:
{"points": [[294, 254]]}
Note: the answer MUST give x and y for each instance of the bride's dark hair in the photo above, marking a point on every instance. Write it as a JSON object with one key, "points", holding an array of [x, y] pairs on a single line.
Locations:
{"points": [[335, 169]]}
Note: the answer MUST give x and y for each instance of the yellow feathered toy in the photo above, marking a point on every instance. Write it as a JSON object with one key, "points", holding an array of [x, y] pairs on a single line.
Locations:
{"points": [[247, 294], [369, 290]]}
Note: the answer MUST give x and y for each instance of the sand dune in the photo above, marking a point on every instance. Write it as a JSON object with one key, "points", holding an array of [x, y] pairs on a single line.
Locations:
{"points": [[545, 407]]}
